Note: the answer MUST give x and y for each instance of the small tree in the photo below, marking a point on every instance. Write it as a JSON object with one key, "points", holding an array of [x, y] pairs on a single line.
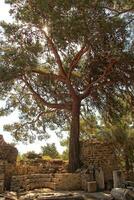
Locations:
{"points": [[50, 150]]}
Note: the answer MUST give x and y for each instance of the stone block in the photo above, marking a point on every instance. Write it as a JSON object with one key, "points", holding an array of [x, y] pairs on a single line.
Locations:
{"points": [[11, 196], [99, 177], [68, 181], [7, 152], [1, 186], [84, 185], [91, 186], [1, 177], [117, 178]]}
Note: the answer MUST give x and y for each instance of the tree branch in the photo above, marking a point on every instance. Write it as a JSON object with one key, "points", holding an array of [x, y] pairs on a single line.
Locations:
{"points": [[119, 12], [57, 77], [49, 74], [59, 62], [39, 98], [76, 59], [38, 116], [55, 52], [106, 72]]}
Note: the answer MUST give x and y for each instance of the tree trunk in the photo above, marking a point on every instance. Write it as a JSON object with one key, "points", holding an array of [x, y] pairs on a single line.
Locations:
{"points": [[74, 161]]}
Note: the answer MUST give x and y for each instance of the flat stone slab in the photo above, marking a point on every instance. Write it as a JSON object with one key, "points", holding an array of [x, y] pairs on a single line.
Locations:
{"points": [[61, 197], [51, 196], [98, 196], [47, 194]]}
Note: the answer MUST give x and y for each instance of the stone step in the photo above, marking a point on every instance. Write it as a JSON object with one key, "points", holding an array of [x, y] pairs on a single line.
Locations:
{"points": [[37, 181], [40, 175], [40, 185], [33, 186], [50, 185], [51, 196], [62, 197], [41, 180], [59, 175]]}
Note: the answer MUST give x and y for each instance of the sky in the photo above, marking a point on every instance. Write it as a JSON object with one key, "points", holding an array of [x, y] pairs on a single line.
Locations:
{"points": [[22, 148]]}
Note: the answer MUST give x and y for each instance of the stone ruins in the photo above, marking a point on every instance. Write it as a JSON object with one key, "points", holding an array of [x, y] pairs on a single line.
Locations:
{"points": [[98, 164], [8, 156]]}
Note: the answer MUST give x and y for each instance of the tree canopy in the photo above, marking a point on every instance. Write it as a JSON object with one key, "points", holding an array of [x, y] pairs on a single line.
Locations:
{"points": [[62, 58]]}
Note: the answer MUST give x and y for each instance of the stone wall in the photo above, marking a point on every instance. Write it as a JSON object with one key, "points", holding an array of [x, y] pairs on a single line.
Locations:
{"points": [[8, 155], [52, 174], [6, 172], [28, 182], [56, 181], [7, 151], [98, 163], [67, 181], [40, 166], [94, 155], [2, 176]]}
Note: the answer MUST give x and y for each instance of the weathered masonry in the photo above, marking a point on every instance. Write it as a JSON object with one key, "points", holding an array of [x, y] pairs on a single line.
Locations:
{"points": [[98, 162], [97, 154], [8, 155]]}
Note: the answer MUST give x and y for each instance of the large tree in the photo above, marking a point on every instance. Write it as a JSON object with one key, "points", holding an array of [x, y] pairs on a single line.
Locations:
{"points": [[60, 58]]}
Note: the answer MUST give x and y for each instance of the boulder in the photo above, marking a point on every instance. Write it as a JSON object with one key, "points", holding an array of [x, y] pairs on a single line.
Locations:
{"points": [[122, 194], [7, 151], [11, 196]]}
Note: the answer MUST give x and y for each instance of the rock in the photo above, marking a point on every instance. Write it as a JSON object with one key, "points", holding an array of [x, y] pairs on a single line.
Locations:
{"points": [[78, 170], [1, 186], [51, 196], [99, 177], [29, 196], [117, 178], [127, 184], [61, 197], [45, 194], [7, 152], [2, 197], [11, 196], [122, 194], [91, 186]]}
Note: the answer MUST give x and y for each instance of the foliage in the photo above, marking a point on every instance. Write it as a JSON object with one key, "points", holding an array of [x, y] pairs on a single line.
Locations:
{"points": [[50, 150], [120, 131], [30, 68], [61, 58], [46, 158], [31, 155], [20, 157], [122, 138], [65, 153]]}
